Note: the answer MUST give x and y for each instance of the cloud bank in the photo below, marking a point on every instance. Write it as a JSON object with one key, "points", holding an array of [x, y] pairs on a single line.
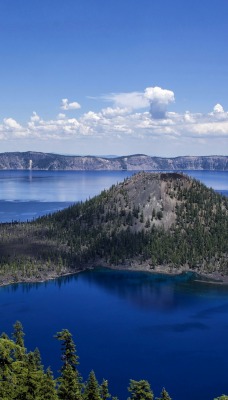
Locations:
{"points": [[128, 116]]}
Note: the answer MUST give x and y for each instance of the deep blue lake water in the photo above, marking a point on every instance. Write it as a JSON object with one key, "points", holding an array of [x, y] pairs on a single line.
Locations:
{"points": [[170, 330]]}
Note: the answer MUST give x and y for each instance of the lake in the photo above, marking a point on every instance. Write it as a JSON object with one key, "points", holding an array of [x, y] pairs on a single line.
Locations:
{"points": [[170, 330]]}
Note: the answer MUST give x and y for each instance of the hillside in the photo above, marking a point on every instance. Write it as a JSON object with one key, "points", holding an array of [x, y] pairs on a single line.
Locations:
{"points": [[163, 222], [138, 162]]}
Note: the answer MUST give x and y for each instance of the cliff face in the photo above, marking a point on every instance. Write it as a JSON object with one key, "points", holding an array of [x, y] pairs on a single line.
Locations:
{"points": [[138, 162]]}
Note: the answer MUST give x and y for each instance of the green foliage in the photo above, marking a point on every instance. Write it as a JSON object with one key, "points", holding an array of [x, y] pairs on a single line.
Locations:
{"points": [[140, 390], [69, 381], [104, 391], [69, 387], [92, 389], [223, 397], [48, 387], [164, 395], [69, 356]]}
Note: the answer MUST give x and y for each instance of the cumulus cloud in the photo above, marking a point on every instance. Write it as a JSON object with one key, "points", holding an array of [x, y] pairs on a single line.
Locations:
{"points": [[34, 117], [159, 99], [218, 108], [136, 115], [61, 116], [154, 97], [69, 106], [11, 124], [110, 112]]}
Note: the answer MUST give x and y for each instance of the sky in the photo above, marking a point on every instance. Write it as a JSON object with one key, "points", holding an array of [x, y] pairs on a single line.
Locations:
{"points": [[114, 77]]}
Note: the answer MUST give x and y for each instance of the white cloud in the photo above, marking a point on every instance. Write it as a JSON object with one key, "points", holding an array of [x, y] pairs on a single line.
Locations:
{"points": [[218, 108], [69, 106], [34, 117], [132, 100], [159, 99], [159, 95], [61, 116], [128, 121], [110, 112], [12, 124]]}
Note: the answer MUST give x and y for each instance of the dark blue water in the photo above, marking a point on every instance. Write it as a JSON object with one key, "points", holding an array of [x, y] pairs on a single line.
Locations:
{"points": [[171, 331]]}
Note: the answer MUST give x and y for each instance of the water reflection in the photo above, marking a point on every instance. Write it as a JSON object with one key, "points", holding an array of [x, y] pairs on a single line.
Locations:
{"points": [[151, 291], [175, 328]]}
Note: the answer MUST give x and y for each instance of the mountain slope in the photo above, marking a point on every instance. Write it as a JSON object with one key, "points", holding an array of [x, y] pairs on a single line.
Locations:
{"points": [[167, 222], [138, 162]]}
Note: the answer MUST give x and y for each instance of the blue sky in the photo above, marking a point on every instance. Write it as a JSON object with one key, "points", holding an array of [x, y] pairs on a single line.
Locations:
{"points": [[114, 77]]}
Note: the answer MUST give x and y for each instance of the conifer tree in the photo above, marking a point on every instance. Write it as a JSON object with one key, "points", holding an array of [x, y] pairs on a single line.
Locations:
{"points": [[48, 387], [69, 385], [7, 381], [164, 395], [68, 348], [104, 390], [140, 390], [69, 381], [92, 390], [223, 397], [18, 336]]}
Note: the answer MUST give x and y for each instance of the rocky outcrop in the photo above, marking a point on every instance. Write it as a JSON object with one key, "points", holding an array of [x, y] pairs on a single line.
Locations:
{"points": [[137, 162]]}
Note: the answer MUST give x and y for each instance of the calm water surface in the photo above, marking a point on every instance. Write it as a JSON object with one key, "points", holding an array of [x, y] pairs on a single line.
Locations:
{"points": [[171, 331]]}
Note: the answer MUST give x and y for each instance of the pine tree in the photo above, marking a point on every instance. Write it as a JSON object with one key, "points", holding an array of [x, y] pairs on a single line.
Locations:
{"points": [[48, 387], [68, 348], [7, 380], [18, 336], [69, 381], [223, 397], [92, 390], [164, 395], [104, 390], [140, 390], [69, 386]]}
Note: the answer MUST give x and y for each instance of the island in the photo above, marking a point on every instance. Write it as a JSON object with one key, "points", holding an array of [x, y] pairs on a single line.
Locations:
{"points": [[158, 222]]}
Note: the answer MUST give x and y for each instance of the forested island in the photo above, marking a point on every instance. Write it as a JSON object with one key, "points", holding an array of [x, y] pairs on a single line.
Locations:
{"points": [[32, 160], [165, 222], [22, 375]]}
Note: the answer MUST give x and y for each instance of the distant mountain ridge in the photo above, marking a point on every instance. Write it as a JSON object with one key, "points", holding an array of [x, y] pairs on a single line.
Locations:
{"points": [[136, 162]]}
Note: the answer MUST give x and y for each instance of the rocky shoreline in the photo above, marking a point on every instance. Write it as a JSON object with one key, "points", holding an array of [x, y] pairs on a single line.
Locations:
{"points": [[214, 278]]}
